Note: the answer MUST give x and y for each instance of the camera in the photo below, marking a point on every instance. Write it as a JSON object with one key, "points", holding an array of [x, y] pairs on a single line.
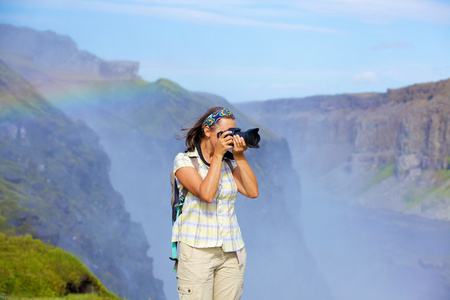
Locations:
{"points": [[251, 136]]}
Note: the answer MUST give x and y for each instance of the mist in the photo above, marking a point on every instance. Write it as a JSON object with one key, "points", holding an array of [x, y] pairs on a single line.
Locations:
{"points": [[373, 254], [356, 253], [312, 233], [365, 248], [278, 264]]}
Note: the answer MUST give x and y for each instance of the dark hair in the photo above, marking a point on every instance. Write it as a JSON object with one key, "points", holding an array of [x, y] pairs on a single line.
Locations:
{"points": [[195, 133]]}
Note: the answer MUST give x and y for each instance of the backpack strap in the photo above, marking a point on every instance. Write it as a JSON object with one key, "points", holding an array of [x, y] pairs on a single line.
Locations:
{"points": [[174, 201], [229, 164], [185, 190], [179, 206]]}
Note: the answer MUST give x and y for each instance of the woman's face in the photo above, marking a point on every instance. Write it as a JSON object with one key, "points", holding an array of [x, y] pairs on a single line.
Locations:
{"points": [[222, 125]]}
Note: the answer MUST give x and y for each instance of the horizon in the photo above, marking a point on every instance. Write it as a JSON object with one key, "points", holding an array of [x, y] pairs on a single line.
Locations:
{"points": [[257, 51]]}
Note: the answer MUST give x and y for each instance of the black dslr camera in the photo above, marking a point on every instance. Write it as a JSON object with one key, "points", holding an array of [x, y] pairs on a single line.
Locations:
{"points": [[251, 136]]}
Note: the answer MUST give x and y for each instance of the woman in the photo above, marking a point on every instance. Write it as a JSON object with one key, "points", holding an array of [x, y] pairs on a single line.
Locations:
{"points": [[212, 256]]}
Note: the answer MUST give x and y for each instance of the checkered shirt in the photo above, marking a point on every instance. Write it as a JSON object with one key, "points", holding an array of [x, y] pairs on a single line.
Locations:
{"points": [[205, 225]]}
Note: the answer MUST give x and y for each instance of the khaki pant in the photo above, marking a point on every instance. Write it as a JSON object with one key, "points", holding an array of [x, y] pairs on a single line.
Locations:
{"points": [[209, 273]]}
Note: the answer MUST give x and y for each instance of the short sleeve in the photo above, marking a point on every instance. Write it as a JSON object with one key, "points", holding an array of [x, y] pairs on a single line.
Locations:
{"points": [[234, 164], [181, 160]]}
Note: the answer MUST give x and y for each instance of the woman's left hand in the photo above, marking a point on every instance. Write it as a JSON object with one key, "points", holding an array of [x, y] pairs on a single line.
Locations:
{"points": [[239, 145]]}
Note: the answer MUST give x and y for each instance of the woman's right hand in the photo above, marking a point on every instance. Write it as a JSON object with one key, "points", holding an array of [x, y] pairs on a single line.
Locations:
{"points": [[223, 144]]}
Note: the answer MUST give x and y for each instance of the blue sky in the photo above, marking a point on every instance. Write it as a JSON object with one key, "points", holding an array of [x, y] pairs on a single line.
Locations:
{"points": [[257, 50]]}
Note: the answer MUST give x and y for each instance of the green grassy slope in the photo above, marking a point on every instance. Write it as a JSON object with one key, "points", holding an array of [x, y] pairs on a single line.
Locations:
{"points": [[32, 269], [54, 185]]}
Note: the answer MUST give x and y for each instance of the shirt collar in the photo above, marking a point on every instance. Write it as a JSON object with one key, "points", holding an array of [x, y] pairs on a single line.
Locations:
{"points": [[193, 153]]}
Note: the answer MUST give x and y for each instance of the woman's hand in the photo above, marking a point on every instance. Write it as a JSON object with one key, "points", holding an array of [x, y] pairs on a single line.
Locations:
{"points": [[223, 144], [243, 174], [239, 144]]}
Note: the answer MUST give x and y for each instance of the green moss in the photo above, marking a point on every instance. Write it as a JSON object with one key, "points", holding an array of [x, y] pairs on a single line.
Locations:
{"points": [[90, 296], [383, 172], [19, 96], [416, 196], [440, 190], [11, 209], [32, 269], [443, 192], [442, 176]]}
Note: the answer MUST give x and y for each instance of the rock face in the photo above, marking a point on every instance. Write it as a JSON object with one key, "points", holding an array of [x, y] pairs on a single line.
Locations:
{"points": [[54, 184], [59, 54], [386, 150]]}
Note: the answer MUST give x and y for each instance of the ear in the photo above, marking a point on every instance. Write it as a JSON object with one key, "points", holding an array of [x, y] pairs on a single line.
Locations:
{"points": [[207, 131]]}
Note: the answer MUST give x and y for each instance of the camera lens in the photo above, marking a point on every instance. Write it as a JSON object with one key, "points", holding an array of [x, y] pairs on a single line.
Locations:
{"points": [[251, 136]]}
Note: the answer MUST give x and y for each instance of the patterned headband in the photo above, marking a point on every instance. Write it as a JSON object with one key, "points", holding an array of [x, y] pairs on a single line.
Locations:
{"points": [[216, 116]]}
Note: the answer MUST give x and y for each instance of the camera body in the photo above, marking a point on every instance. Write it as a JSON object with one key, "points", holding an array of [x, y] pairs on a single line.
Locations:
{"points": [[251, 136]]}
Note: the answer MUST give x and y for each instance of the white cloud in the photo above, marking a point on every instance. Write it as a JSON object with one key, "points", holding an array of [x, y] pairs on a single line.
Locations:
{"points": [[237, 13], [366, 77], [266, 13], [381, 11]]}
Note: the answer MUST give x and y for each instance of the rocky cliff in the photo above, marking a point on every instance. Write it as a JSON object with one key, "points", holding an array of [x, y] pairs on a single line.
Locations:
{"points": [[387, 150], [54, 184], [57, 56]]}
